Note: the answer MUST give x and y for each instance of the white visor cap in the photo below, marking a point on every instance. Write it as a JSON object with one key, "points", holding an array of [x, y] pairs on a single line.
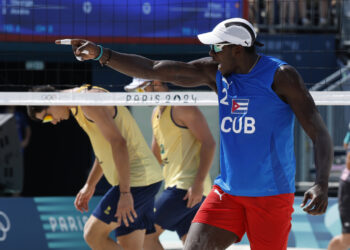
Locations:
{"points": [[234, 30], [136, 82]]}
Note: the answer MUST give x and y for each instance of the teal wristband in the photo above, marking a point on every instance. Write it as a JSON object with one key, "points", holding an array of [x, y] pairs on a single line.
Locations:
{"points": [[100, 55]]}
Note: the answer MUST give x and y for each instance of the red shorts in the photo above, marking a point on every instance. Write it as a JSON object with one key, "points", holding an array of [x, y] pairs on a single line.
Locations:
{"points": [[266, 220]]}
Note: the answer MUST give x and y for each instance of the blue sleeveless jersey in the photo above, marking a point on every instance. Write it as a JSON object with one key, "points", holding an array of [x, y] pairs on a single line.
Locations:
{"points": [[256, 134]]}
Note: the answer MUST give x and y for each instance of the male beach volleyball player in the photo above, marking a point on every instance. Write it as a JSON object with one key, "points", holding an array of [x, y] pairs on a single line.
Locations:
{"points": [[126, 161], [183, 144], [258, 98]]}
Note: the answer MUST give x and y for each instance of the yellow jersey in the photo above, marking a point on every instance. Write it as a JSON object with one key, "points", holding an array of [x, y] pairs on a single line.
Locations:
{"points": [[179, 150], [144, 168]]}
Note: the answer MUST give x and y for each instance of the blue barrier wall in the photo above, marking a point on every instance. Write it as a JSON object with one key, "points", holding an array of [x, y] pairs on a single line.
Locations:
{"points": [[313, 55], [121, 19], [53, 223]]}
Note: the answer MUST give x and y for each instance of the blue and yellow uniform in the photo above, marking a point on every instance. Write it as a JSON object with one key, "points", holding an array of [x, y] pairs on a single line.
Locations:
{"points": [[145, 172], [180, 154]]}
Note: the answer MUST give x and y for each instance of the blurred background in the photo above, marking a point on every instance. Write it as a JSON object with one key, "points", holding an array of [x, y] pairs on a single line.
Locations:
{"points": [[46, 160]]}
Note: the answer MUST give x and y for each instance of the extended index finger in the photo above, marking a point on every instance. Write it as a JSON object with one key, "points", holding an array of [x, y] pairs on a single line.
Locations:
{"points": [[68, 41]]}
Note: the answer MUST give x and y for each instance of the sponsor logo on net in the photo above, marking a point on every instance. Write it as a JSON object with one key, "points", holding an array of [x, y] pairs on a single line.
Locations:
{"points": [[5, 225], [161, 98]]}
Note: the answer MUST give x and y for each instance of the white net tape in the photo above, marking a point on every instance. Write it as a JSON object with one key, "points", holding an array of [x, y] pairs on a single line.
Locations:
{"points": [[184, 98]]}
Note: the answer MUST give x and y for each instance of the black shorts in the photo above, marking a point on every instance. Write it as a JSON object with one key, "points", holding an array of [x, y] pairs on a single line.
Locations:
{"points": [[172, 213], [143, 205], [344, 205]]}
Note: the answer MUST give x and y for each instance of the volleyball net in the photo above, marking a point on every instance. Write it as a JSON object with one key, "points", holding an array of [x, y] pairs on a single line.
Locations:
{"points": [[180, 98], [334, 107]]}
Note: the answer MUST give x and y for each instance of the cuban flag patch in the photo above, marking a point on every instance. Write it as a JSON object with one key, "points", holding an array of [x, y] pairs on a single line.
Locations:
{"points": [[239, 106]]}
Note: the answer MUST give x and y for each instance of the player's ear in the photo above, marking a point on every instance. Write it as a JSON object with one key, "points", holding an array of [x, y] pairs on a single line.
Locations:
{"points": [[238, 50]]}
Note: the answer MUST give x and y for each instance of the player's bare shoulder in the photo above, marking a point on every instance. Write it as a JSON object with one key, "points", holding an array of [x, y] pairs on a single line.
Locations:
{"points": [[288, 83], [96, 90], [285, 73], [86, 89], [208, 67], [206, 63], [184, 113], [90, 111]]}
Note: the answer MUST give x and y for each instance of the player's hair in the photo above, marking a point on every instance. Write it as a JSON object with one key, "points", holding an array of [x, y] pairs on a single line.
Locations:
{"points": [[33, 110]]}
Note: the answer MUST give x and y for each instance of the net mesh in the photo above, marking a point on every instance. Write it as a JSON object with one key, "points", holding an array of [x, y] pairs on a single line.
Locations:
{"points": [[180, 98], [157, 29]]}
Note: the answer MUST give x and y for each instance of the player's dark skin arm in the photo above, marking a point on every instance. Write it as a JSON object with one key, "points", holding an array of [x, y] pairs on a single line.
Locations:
{"points": [[290, 87], [192, 74], [195, 73]]}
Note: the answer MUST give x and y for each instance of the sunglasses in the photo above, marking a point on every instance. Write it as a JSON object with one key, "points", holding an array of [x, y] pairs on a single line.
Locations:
{"points": [[142, 89], [47, 118], [218, 47]]}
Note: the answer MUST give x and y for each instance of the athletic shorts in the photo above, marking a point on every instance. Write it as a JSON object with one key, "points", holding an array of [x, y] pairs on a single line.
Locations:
{"points": [[143, 205], [172, 213], [344, 205], [266, 220]]}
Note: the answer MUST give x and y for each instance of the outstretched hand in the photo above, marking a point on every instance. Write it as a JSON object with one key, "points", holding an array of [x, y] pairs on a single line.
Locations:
{"points": [[318, 196], [82, 49]]}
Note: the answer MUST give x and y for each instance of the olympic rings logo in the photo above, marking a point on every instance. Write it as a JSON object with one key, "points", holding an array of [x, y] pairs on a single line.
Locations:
{"points": [[49, 97], [5, 225]]}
